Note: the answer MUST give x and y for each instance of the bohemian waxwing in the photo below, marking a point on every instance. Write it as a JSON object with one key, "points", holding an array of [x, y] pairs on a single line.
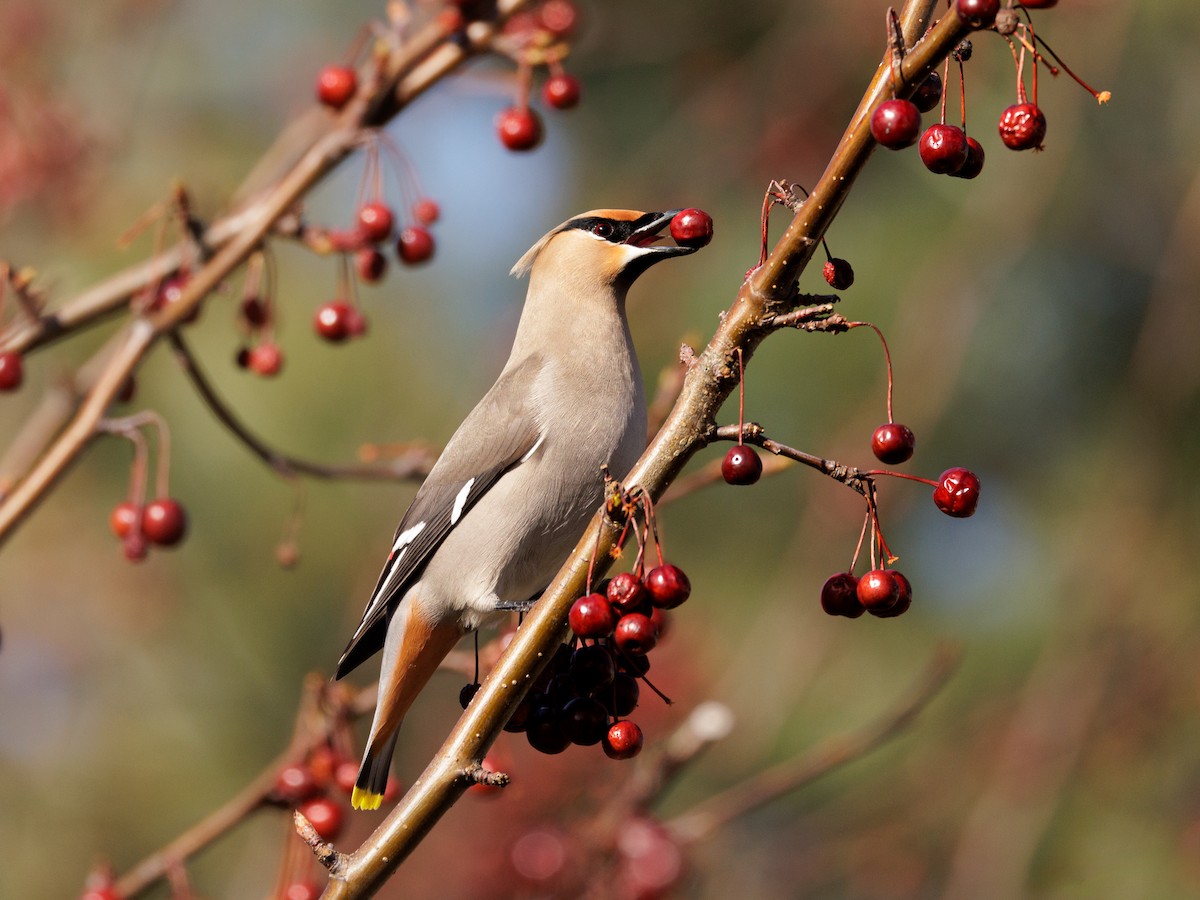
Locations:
{"points": [[515, 486]]}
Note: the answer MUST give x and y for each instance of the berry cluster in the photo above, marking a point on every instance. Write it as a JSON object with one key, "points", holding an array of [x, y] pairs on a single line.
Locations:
{"points": [[591, 684], [163, 522], [533, 39], [947, 149]]}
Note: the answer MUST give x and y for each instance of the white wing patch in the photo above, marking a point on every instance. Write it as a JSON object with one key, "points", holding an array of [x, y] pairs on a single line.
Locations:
{"points": [[460, 501], [534, 449], [407, 537]]}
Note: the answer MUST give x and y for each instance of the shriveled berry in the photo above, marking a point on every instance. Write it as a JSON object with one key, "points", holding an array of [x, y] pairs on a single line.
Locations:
{"points": [[561, 91], [668, 586], [592, 616], [903, 602], [943, 148], [962, 53], [626, 593], [415, 245], [519, 128], [592, 668], [741, 465], [975, 157], [977, 13], [294, 784], [327, 817], [839, 596], [336, 85], [123, 518], [692, 228], [957, 492], [893, 443], [375, 221], [370, 264], [426, 211], [838, 273], [265, 359], [12, 371], [164, 522], [878, 589], [584, 721], [635, 634], [332, 320], [896, 123], [928, 93], [1022, 127], [623, 740]]}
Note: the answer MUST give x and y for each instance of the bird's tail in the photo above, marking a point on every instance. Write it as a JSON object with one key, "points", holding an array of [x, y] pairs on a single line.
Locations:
{"points": [[415, 647]]}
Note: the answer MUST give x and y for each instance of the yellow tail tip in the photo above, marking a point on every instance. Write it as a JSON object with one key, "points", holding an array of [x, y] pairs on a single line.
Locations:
{"points": [[361, 798]]}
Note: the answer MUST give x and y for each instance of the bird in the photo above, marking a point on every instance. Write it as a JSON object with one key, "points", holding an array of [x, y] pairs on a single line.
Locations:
{"points": [[518, 481]]}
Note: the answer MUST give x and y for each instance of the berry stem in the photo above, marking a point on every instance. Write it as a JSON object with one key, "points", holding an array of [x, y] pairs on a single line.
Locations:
{"points": [[741, 393], [862, 536], [962, 94], [875, 473], [1101, 96], [887, 356], [945, 80]]}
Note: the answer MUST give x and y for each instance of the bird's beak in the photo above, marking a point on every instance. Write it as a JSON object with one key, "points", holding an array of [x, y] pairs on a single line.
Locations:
{"points": [[648, 234]]}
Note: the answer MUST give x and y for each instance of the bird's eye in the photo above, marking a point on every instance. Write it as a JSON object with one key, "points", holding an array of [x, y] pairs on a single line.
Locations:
{"points": [[603, 229]]}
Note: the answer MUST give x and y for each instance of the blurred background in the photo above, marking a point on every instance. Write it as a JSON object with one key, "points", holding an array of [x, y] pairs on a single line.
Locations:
{"points": [[1042, 324]]}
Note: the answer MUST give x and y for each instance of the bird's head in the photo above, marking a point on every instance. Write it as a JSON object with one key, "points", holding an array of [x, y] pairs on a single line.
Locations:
{"points": [[610, 245]]}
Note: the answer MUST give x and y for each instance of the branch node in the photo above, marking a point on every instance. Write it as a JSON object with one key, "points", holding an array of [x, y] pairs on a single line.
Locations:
{"points": [[477, 774], [326, 854]]}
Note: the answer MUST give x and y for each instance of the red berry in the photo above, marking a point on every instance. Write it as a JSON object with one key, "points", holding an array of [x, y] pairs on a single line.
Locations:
{"points": [[839, 596], [977, 13], [623, 740], [626, 592], [164, 522], [1022, 127], [903, 602], [896, 123], [893, 443], [878, 589], [336, 85], [520, 128], [957, 493], [322, 762], [265, 360], [661, 620], [592, 616], [561, 91], [838, 273], [294, 784], [635, 634], [426, 211], [974, 164], [592, 667], [122, 519], [326, 817], [345, 776], [928, 93], [332, 320], [668, 586], [558, 17], [584, 721], [692, 228], [370, 264], [101, 893], [415, 245], [545, 733], [943, 149], [255, 311], [11, 371], [134, 546], [741, 465], [300, 890], [622, 696], [375, 222]]}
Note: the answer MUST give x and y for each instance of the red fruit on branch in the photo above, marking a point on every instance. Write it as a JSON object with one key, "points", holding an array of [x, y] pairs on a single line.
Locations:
{"points": [[584, 721], [896, 123], [974, 164], [1022, 127], [12, 371], [928, 93], [692, 228], [878, 589], [561, 91], [336, 85], [375, 222], [957, 492], [294, 784], [623, 740], [903, 602], [415, 245], [893, 443], [626, 592], [370, 264], [838, 273], [327, 817], [591, 668], [977, 13], [164, 522], [519, 128], [426, 211], [635, 634], [123, 518], [559, 17], [300, 890], [592, 616], [668, 586], [943, 149], [332, 321], [741, 465], [266, 359], [839, 596]]}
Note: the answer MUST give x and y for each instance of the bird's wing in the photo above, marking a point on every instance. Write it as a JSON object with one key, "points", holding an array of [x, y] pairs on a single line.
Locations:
{"points": [[498, 435]]}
